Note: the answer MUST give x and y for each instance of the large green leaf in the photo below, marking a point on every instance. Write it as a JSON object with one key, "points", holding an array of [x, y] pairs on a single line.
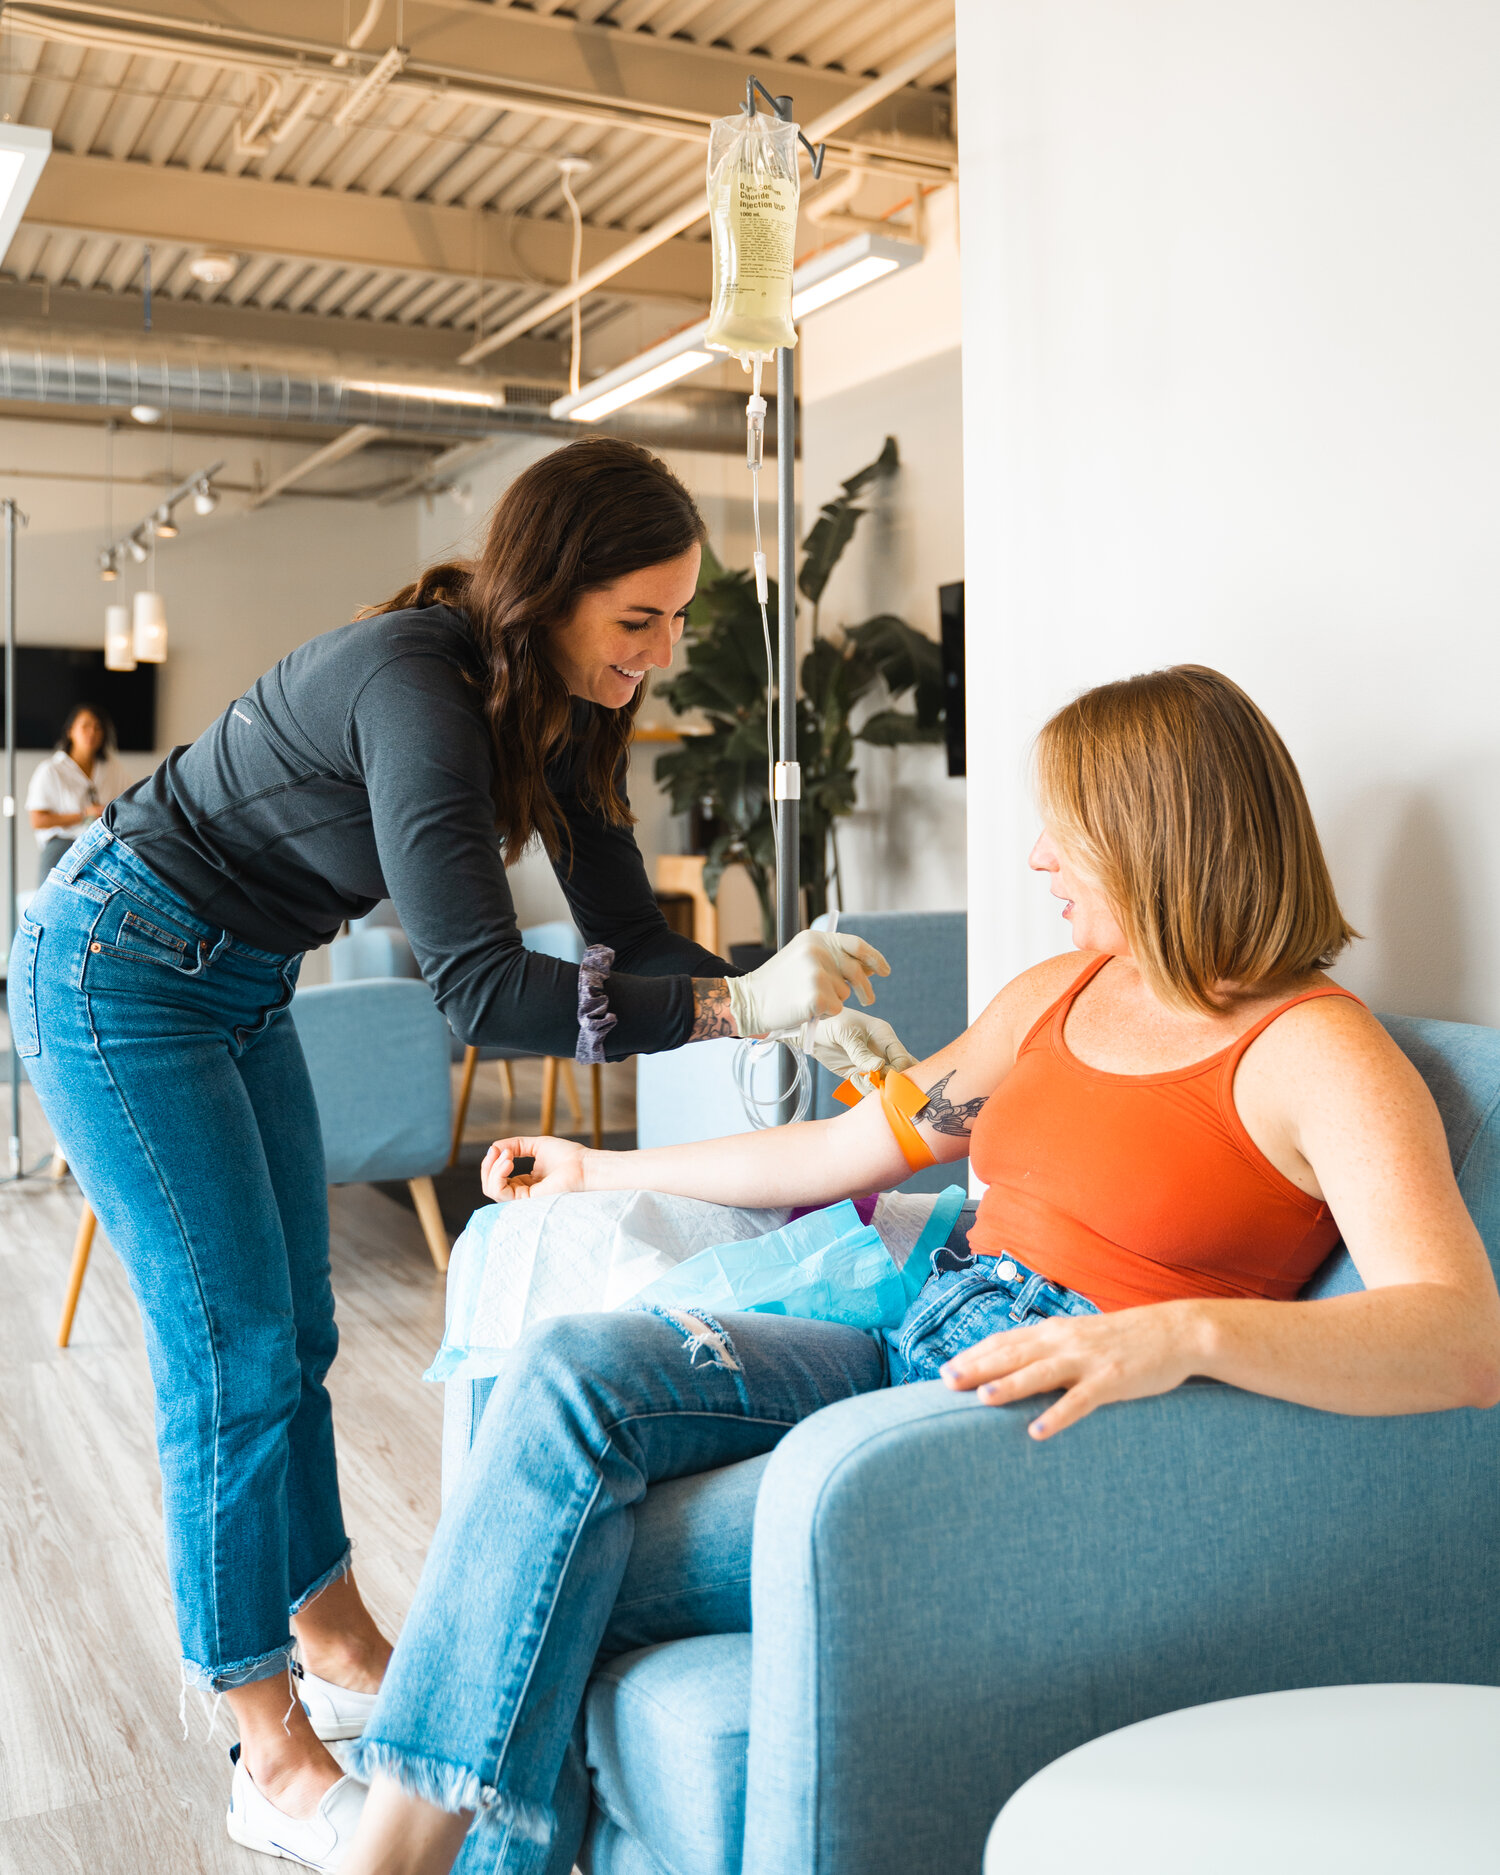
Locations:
{"points": [[835, 525]]}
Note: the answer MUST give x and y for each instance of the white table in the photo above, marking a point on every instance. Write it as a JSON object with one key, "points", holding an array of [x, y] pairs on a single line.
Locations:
{"points": [[1334, 1780]]}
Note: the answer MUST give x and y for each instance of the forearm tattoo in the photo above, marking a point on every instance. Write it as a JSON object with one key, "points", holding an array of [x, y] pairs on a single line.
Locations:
{"points": [[712, 1015], [943, 1117]]}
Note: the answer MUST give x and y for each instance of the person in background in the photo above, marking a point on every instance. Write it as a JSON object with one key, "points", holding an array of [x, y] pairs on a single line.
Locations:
{"points": [[64, 796]]}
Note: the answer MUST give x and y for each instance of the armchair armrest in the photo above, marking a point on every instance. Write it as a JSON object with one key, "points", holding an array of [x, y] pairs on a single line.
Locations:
{"points": [[942, 1606]]}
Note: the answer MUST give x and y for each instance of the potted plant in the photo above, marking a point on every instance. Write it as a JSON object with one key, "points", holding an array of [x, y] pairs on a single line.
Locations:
{"points": [[720, 773]]}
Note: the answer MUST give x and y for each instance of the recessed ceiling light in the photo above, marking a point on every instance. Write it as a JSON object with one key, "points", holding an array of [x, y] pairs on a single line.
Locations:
{"points": [[214, 268], [146, 413]]}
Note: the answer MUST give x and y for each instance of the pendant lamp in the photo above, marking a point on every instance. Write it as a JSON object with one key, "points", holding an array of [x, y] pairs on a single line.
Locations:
{"points": [[150, 628], [119, 639]]}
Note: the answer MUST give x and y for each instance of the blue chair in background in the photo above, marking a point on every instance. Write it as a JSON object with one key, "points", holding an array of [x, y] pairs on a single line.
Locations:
{"points": [[379, 1056], [689, 1093], [941, 1606], [376, 946]]}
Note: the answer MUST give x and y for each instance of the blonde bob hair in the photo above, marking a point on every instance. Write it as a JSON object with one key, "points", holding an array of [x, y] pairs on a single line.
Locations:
{"points": [[1173, 791]]}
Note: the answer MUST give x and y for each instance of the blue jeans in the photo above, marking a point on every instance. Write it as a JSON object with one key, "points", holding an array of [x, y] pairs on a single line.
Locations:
{"points": [[166, 1062], [559, 1547]]}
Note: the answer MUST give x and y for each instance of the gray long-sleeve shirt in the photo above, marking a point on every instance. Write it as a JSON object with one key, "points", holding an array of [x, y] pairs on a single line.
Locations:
{"points": [[359, 768]]}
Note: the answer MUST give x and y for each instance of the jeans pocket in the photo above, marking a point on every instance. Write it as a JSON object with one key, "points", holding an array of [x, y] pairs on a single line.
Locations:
{"points": [[20, 991], [138, 940]]}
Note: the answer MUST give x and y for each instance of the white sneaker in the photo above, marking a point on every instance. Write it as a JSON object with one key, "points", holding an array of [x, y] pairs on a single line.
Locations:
{"points": [[318, 1841], [335, 1711]]}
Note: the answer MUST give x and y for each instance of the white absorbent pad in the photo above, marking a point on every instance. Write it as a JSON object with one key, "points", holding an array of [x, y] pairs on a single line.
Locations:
{"points": [[522, 1262]]}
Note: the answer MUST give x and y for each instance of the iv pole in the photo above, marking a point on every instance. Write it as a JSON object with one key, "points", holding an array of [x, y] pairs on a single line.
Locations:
{"points": [[788, 776], [12, 513]]}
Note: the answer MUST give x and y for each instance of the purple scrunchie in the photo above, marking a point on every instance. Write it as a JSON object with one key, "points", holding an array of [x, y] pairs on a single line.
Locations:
{"points": [[595, 1017]]}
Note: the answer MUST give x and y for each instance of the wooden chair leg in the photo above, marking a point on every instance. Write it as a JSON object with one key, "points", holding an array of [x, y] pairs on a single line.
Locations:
{"points": [[549, 1093], [596, 1082], [507, 1078], [424, 1197], [570, 1088], [466, 1087], [83, 1243], [58, 1169]]}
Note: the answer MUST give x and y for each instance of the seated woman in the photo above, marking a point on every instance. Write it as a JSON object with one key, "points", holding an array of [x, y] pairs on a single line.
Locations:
{"points": [[1173, 1134]]}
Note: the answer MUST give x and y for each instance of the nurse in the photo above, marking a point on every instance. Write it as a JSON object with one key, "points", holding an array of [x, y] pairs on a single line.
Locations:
{"points": [[411, 754]]}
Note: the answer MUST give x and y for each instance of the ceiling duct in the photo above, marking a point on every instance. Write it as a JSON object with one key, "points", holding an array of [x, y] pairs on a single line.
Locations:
{"points": [[245, 392], [259, 391]]}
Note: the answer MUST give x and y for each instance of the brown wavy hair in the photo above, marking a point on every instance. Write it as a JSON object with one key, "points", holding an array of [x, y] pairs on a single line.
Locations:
{"points": [[1175, 793], [578, 520]]}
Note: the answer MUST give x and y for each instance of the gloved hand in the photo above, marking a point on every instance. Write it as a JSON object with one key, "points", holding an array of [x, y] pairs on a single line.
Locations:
{"points": [[811, 977], [851, 1046]]}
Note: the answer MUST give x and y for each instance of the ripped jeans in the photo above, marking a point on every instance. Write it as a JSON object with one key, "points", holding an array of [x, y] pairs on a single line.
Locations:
{"points": [[546, 1563], [165, 1059], [521, 1592]]}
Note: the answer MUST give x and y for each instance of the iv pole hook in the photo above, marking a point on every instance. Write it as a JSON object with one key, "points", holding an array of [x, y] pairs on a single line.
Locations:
{"points": [[782, 107]]}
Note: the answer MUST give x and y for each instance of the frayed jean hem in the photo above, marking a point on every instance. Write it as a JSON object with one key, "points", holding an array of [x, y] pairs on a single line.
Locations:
{"points": [[455, 1788], [341, 1568], [239, 1673]]}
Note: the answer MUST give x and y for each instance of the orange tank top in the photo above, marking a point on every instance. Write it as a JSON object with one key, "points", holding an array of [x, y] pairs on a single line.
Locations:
{"points": [[1132, 1188]]}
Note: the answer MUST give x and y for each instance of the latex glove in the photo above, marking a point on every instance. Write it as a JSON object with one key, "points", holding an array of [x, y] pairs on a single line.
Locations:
{"points": [[852, 1046], [811, 977]]}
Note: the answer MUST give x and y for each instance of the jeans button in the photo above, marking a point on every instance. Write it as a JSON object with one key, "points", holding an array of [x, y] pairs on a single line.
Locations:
{"points": [[96, 947], [1006, 1270]]}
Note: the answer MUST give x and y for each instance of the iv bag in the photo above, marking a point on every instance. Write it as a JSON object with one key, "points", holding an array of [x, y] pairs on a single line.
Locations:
{"points": [[753, 191]]}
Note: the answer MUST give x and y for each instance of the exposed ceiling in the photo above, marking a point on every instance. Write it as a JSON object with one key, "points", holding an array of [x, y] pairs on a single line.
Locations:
{"points": [[383, 177]]}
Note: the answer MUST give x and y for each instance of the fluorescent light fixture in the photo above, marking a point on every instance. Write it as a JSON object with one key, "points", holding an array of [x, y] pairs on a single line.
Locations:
{"points": [[839, 271], [435, 393], [873, 267], [23, 151], [602, 403], [825, 277]]}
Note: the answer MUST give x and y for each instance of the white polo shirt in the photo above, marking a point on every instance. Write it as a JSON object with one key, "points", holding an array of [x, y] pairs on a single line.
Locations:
{"points": [[60, 786]]}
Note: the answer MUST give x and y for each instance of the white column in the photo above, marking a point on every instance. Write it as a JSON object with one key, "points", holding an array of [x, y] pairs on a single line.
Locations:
{"points": [[1232, 395]]}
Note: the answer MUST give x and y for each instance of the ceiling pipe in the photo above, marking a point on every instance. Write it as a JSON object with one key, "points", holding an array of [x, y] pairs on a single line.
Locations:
{"points": [[696, 208], [256, 393]]}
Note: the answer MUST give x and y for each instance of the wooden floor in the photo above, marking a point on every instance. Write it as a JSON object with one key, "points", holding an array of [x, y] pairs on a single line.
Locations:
{"points": [[95, 1776]]}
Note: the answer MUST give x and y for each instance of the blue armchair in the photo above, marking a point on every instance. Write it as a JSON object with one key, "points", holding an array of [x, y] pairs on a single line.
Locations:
{"points": [[941, 1606], [378, 1056]]}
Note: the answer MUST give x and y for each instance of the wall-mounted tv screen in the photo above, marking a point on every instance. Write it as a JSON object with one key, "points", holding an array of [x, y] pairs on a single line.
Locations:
{"points": [[52, 680]]}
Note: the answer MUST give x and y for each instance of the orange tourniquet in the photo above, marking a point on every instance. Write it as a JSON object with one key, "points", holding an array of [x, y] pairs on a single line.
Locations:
{"points": [[1132, 1188], [901, 1100]]}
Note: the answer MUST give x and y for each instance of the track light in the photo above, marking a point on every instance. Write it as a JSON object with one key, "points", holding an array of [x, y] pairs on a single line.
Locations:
{"points": [[136, 548], [146, 413], [165, 526], [107, 567], [205, 498]]}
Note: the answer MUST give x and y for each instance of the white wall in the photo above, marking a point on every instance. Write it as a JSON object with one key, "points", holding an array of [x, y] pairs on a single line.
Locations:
{"points": [[886, 362], [1232, 395]]}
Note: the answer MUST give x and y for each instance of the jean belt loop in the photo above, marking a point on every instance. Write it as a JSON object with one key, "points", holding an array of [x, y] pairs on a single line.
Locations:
{"points": [[1026, 1296], [223, 943]]}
